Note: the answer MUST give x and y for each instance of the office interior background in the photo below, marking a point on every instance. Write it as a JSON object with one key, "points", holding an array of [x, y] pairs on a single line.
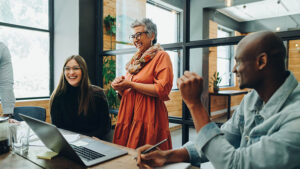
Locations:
{"points": [[199, 35]]}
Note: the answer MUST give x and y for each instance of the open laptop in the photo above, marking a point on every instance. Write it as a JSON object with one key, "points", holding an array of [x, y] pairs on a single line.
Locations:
{"points": [[86, 151]]}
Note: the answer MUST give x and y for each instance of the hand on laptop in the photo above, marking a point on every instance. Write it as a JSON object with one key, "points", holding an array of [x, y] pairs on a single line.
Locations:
{"points": [[13, 121], [10, 120]]}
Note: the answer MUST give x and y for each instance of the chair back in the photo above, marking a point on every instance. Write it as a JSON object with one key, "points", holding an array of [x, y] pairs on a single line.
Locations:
{"points": [[32, 111]]}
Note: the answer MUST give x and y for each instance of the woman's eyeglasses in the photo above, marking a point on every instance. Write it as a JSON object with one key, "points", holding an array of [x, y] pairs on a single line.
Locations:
{"points": [[75, 68], [136, 36]]}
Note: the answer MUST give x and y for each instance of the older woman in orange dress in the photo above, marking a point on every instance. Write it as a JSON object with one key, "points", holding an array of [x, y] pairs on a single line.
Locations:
{"points": [[143, 116]]}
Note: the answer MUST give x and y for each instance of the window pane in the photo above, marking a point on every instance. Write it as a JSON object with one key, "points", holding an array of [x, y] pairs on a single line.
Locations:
{"points": [[196, 59], [222, 33], [176, 58], [167, 15], [30, 58], [223, 67], [224, 52], [242, 17], [33, 13], [166, 21]]}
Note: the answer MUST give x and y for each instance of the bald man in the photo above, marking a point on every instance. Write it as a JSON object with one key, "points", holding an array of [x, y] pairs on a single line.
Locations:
{"points": [[264, 132]]}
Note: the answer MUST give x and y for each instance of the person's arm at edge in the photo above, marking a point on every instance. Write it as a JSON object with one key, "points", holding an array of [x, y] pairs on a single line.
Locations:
{"points": [[6, 82]]}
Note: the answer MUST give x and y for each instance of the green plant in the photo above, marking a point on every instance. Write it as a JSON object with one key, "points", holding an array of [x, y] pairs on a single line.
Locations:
{"points": [[109, 74], [215, 81], [110, 25]]}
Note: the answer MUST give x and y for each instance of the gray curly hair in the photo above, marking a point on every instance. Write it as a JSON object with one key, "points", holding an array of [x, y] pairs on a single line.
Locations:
{"points": [[150, 27]]}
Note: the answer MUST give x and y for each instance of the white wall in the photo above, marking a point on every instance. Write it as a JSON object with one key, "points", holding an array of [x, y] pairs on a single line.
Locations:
{"points": [[66, 33]]}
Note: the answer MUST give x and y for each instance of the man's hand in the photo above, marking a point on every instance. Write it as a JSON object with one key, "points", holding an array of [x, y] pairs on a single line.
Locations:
{"points": [[190, 86], [153, 159]]}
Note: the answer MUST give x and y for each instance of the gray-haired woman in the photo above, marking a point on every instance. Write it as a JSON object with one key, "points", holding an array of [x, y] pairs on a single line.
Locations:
{"points": [[143, 117]]}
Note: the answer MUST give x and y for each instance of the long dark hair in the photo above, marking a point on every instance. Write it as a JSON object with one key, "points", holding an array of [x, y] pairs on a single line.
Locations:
{"points": [[85, 96]]}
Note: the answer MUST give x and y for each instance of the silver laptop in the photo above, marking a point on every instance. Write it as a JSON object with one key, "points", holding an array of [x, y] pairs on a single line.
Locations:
{"points": [[90, 153]]}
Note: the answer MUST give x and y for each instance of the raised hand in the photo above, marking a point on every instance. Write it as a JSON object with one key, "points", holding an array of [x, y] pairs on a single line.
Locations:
{"points": [[191, 87]]}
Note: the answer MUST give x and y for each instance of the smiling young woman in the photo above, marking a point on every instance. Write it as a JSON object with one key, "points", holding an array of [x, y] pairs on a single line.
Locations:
{"points": [[78, 106]]}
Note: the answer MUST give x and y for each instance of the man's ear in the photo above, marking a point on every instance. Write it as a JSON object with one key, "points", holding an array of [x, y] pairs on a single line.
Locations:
{"points": [[262, 60]]}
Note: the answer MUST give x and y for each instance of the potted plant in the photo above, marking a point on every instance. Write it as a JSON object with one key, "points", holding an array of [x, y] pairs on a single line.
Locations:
{"points": [[110, 26], [215, 81]]}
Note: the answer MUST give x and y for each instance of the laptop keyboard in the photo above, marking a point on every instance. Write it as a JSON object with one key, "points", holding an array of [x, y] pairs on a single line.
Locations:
{"points": [[86, 153]]}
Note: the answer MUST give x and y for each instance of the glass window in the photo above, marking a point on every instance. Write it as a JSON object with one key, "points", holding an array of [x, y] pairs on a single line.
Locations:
{"points": [[196, 59], [29, 48], [167, 22], [225, 59], [32, 13], [118, 15]]}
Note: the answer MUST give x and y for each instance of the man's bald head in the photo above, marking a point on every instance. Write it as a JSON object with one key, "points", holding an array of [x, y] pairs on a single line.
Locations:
{"points": [[268, 42], [259, 56]]}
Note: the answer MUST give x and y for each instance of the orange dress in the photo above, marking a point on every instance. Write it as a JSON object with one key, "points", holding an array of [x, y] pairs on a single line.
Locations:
{"points": [[143, 119]]}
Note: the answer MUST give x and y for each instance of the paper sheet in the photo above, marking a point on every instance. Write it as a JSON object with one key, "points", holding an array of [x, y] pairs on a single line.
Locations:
{"points": [[34, 141], [80, 143], [207, 165], [175, 166]]}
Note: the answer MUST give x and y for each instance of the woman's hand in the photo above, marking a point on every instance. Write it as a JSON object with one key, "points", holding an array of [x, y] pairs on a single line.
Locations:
{"points": [[118, 80], [120, 84], [153, 159], [115, 83]]}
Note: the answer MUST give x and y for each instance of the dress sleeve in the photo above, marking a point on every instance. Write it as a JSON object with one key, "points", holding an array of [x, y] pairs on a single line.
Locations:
{"points": [[101, 108], [55, 112], [163, 76]]}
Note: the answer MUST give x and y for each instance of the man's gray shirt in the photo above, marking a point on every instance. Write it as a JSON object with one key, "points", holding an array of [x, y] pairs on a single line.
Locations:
{"points": [[257, 136], [6, 81]]}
